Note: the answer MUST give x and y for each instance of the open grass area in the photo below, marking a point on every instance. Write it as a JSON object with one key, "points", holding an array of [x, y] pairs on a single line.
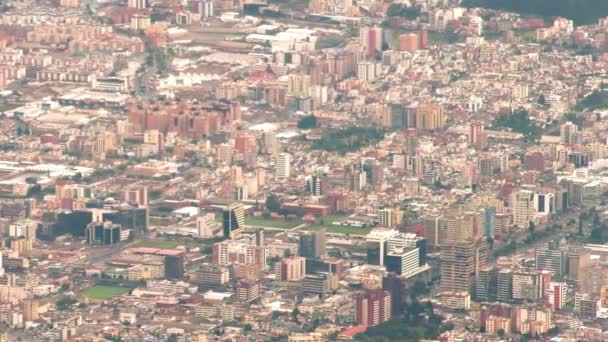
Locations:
{"points": [[104, 291], [338, 229], [157, 244], [260, 222]]}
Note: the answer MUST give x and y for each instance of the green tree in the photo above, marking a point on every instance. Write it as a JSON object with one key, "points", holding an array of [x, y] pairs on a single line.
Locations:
{"points": [[273, 203], [307, 122], [501, 333]]}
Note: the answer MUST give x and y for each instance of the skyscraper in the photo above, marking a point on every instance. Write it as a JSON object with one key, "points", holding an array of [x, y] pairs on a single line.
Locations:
{"points": [[234, 218], [283, 165], [371, 39], [460, 265], [312, 244], [373, 307]]}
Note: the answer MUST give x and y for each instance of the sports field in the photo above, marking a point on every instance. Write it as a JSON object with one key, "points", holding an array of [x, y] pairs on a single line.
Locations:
{"points": [[104, 291]]}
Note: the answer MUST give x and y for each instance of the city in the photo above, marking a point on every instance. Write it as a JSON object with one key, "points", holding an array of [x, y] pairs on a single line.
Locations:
{"points": [[303, 171]]}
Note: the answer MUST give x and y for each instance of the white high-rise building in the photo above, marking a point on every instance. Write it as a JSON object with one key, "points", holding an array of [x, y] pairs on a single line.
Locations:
{"points": [[138, 3], [283, 165], [206, 225], [523, 208], [368, 71], [567, 133]]}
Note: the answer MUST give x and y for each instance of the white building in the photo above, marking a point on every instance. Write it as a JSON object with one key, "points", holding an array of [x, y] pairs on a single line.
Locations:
{"points": [[283, 165], [206, 225]]}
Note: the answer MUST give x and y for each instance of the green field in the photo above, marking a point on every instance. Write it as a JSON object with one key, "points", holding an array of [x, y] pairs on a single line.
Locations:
{"points": [[157, 244], [104, 291], [259, 222]]}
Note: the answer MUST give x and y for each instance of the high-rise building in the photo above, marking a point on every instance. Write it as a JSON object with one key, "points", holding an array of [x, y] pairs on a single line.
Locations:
{"points": [[136, 194], [558, 292], [377, 244], [212, 275], [429, 117], [385, 217], [316, 185], [373, 307], [368, 71], [30, 310], [312, 244], [290, 269], [504, 285], [138, 3], [283, 165], [579, 262], [527, 286], [371, 39], [486, 287], [409, 42], [396, 286], [567, 133], [206, 225], [248, 290], [239, 252], [477, 136], [523, 208], [298, 85], [460, 265], [104, 233], [552, 258], [234, 218]]}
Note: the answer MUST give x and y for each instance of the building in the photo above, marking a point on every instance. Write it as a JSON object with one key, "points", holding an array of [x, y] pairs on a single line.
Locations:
{"points": [[567, 133], [306, 337], [409, 42], [30, 310], [298, 85], [136, 194], [456, 300], [523, 208], [283, 165], [558, 294], [212, 275], [290, 269], [504, 286], [385, 217], [496, 323], [319, 284], [429, 117], [551, 258], [371, 40], [248, 290], [377, 244], [373, 307], [460, 265], [312, 244], [105, 233], [368, 71], [206, 226], [140, 22], [486, 286], [239, 252], [233, 218], [138, 3]]}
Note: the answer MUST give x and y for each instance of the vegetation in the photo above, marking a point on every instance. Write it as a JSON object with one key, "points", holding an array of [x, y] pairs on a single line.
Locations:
{"points": [[596, 100], [65, 303], [348, 140], [104, 291], [270, 223], [273, 203], [401, 10], [519, 122], [581, 11], [307, 122]]}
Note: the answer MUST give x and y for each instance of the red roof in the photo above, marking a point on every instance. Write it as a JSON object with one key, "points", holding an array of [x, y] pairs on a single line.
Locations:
{"points": [[351, 332]]}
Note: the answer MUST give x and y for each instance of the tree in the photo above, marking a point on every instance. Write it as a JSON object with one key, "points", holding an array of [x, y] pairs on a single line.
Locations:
{"points": [[65, 302], [490, 242], [294, 314], [532, 227], [501, 332], [155, 194], [307, 122], [273, 203], [541, 100]]}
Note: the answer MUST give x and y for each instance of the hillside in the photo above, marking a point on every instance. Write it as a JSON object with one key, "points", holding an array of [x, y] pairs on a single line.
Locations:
{"points": [[581, 11]]}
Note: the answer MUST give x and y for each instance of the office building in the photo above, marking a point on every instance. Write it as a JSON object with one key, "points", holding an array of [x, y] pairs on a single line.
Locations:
{"points": [[527, 286], [460, 265], [395, 285], [385, 217], [552, 258], [283, 165], [104, 233], [373, 307], [558, 294], [377, 244], [579, 263], [312, 244], [319, 284], [233, 218], [504, 286], [290, 269], [487, 284]]}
